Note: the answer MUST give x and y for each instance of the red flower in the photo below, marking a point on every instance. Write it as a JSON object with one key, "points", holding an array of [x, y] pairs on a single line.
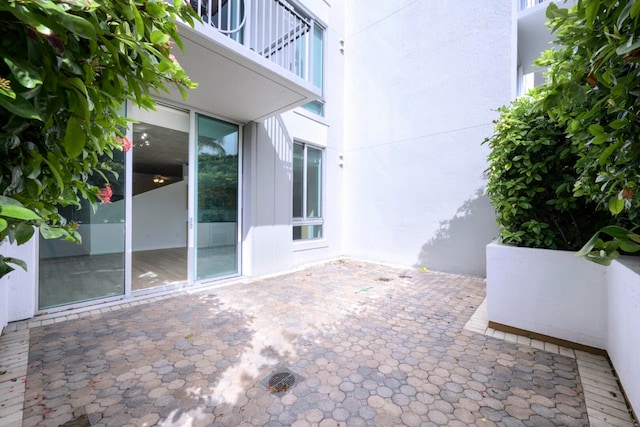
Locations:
{"points": [[104, 194], [125, 142]]}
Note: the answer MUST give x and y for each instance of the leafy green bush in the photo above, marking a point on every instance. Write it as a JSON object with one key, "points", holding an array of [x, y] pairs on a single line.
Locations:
{"points": [[531, 178], [593, 89], [67, 69]]}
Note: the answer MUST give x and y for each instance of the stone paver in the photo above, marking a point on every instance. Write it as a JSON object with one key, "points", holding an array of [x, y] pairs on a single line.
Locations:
{"points": [[372, 345]]}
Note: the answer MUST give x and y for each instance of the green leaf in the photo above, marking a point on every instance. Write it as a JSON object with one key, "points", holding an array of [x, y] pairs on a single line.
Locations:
{"points": [[616, 205], [630, 247], [635, 237], [16, 261], [54, 167], [18, 212], [3, 224], [24, 232], [4, 200], [4, 267], [619, 123], [624, 14], [139, 23], [602, 260], [607, 152], [588, 247], [26, 75], [628, 47], [156, 10], [615, 231], [49, 232], [19, 106], [159, 37], [596, 130], [591, 11], [635, 9], [77, 25], [74, 138]]}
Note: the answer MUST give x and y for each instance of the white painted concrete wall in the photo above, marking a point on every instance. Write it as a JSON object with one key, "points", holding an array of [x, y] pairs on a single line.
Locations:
{"points": [[18, 288], [268, 245], [549, 292], [624, 318], [422, 81]]}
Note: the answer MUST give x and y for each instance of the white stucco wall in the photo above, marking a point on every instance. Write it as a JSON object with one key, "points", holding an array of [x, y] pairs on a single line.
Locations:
{"points": [[18, 288], [624, 317], [268, 245], [422, 79]]}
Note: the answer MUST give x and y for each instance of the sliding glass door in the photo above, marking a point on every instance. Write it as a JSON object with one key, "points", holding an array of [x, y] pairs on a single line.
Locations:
{"points": [[70, 273], [169, 222], [159, 198], [216, 198]]}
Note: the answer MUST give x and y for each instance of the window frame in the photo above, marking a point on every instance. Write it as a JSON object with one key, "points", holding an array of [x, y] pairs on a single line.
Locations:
{"points": [[305, 220]]}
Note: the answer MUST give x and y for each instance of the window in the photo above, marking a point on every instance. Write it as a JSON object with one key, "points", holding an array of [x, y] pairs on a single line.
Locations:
{"points": [[307, 192], [317, 68]]}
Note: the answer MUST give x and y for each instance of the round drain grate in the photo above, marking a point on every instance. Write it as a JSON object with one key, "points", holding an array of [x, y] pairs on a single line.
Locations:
{"points": [[281, 381]]}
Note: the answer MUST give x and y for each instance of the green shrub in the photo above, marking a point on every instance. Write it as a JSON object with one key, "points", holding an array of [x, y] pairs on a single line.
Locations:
{"points": [[531, 178]]}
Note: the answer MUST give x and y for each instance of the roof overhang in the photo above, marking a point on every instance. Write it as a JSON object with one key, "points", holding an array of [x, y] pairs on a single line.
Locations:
{"points": [[235, 82]]}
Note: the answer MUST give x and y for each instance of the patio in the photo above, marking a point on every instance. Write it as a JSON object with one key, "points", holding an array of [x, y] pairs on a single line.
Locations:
{"points": [[366, 344]]}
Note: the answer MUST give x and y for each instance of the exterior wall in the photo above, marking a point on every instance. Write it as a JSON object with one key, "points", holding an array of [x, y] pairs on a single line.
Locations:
{"points": [[268, 150], [423, 80]]}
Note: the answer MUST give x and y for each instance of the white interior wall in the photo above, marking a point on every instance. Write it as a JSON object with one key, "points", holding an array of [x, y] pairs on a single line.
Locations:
{"points": [[160, 218], [423, 80]]}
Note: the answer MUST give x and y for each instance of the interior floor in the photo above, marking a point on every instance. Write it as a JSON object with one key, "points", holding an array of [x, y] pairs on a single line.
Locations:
{"points": [[81, 278]]}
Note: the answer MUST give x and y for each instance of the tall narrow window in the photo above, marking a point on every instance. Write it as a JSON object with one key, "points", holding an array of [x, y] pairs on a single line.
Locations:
{"points": [[316, 68], [307, 192]]}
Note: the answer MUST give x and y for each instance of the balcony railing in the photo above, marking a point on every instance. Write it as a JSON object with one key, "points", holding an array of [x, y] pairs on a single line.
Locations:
{"points": [[525, 4], [272, 28]]}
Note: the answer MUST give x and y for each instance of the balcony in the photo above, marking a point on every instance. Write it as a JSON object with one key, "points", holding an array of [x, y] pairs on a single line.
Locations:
{"points": [[251, 58], [525, 4], [533, 36]]}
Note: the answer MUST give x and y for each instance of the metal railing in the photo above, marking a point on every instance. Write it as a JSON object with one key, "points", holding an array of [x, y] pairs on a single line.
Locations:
{"points": [[525, 4], [272, 28]]}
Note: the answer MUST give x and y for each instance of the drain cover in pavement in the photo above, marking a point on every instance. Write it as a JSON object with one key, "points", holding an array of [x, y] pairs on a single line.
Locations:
{"points": [[281, 380]]}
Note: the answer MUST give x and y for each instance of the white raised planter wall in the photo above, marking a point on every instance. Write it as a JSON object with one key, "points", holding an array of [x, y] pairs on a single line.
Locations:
{"points": [[17, 290], [623, 344], [549, 292], [556, 294]]}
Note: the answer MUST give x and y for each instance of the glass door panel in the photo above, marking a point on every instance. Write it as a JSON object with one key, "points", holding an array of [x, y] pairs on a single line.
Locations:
{"points": [[216, 234], [70, 273], [159, 203]]}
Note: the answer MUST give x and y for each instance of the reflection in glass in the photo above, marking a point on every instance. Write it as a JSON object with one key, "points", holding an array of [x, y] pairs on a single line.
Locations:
{"points": [[217, 198], [298, 179], [71, 273], [314, 183]]}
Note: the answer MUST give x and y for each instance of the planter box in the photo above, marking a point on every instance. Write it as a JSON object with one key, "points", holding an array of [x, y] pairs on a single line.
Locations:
{"points": [[548, 292], [554, 293]]}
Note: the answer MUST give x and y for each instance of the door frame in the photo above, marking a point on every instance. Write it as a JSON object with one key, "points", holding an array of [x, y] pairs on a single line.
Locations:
{"points": [[191, 194]]}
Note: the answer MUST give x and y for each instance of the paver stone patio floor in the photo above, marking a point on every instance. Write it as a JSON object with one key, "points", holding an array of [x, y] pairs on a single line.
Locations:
{"points": [[369, 344]]}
